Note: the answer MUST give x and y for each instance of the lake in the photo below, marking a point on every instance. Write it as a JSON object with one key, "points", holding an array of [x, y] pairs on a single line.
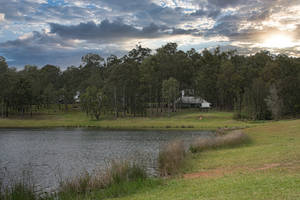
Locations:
{"points": [[51, 155]]}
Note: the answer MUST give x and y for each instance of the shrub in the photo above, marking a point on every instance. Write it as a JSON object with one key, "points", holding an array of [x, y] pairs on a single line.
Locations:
{"points": [[232, 139], [117, 173], [125, 171], [171, 158]]}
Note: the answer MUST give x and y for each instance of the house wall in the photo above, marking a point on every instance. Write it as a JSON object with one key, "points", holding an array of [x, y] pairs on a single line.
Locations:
{"points": [[205, 105]]}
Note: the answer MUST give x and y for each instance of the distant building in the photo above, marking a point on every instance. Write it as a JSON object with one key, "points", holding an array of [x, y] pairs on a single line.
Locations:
{"points": [[77, 97], [189, 101]]}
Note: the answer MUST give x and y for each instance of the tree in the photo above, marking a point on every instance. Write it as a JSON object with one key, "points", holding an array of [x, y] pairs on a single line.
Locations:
{"points": [[21, 95], [49, 95], [140, 80], [170, 91], [4, 86], [93, 101], [254, 105], [91, 59], [274, 103]]}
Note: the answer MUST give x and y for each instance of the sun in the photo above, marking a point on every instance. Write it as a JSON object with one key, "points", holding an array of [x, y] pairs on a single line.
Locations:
{"points": [[278, 41]]}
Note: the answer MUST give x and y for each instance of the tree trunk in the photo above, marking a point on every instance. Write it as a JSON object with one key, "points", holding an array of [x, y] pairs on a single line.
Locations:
{"points": [[66, 107], [97, 115], [174, 106], [115, 97], [2, 109]]}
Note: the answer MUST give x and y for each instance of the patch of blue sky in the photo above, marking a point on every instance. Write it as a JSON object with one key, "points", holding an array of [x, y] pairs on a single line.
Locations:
{"points": [[91, 6], [56, 2]]}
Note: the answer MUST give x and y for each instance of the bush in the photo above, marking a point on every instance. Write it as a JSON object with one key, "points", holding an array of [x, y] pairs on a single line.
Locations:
{"points": [[124, 171], [171, 158], [117, 173], [232, 139]]}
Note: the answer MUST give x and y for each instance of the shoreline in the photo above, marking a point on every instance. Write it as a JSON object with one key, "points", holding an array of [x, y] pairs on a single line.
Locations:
{"points": [[185, 121]]}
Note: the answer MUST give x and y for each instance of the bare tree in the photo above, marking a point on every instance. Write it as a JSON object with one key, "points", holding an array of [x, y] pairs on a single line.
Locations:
{"points": [[274, 102]]}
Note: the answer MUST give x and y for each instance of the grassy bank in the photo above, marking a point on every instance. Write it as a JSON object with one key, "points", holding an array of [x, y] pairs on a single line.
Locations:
{"points": [[187, 120], [268, 168]]}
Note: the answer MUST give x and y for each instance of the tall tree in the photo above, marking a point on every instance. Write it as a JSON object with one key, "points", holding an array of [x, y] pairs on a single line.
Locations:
{"points": [[274, 102], [170, 91], [93, 101]]}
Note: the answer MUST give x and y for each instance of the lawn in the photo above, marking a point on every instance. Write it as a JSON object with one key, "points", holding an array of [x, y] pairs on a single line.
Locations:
{"points": [[268, 168], [186, 120]]}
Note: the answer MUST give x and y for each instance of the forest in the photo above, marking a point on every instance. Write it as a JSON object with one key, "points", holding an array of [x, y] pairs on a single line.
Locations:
{"points": [[256, 87]]}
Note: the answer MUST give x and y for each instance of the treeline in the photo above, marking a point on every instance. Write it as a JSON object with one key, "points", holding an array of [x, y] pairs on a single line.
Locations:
{"points": [[260, 86]]}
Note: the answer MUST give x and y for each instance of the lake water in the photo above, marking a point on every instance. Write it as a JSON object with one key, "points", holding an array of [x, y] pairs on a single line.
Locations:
{"points": [[50, 155]]}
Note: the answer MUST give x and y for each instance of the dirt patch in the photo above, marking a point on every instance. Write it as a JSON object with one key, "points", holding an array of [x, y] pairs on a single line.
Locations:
{"points": [[268, 166], [209, 173], [222, 172]]}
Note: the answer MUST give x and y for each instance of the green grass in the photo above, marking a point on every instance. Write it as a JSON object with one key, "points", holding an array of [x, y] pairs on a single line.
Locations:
{"points": [[112, 191], [268, 168], [186, 120], [268, 185]]}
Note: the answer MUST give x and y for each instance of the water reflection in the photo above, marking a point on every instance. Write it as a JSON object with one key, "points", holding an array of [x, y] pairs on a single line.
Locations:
{"points": [[54, 154]]}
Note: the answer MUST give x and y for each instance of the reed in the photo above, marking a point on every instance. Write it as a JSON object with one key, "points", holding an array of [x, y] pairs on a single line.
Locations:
{"points": [[232, 139], [171, 158]]}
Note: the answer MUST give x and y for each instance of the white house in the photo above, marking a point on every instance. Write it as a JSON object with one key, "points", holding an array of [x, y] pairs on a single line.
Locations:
{"points": [[77, 97], [192, 101]]}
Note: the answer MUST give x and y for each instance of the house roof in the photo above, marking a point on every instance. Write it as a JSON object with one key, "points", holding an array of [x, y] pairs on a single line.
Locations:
{"points": [[191, 100]]}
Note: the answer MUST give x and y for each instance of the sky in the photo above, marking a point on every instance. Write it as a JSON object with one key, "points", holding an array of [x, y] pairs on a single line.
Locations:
{"points": [[60, 32]]}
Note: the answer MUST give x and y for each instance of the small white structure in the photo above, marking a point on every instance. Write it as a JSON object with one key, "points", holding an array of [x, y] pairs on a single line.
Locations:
{"points": [[192, 101], [77, 97], [205, 104]]}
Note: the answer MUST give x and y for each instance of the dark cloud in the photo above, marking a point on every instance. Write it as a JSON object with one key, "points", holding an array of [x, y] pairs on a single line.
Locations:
{"points": [[226, 3], [37, 38], [226, 26], [110, 31], [42, 48], [91, 31], [179, 31], [210, 13]]}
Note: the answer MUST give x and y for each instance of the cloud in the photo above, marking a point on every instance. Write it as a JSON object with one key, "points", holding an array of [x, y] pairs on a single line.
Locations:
{"points": [[39, 31], [226, 3], [42, 48], [210, 13], [116, 30], [2, 17]]}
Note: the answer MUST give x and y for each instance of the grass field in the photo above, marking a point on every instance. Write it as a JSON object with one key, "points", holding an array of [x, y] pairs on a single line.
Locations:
{"points": [[268, 168], [183, 120]]}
